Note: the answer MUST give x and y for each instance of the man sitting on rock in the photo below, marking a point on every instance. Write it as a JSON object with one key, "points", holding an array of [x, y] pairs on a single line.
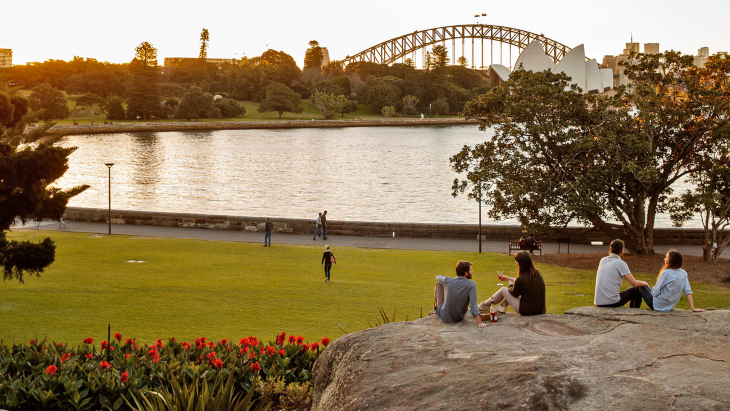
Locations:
{"points": [[461, 294], [611, 273]]}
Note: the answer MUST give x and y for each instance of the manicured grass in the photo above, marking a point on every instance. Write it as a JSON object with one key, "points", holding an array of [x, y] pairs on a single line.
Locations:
{"points": [[192, 288]]}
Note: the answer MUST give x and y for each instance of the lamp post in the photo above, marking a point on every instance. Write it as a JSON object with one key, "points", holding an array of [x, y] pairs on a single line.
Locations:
{"points": [[480, 218], [429, 110], [109, 166]]}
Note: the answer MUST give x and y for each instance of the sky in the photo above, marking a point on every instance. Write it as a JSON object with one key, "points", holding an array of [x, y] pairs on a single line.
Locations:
{"points": [[110, 31]]}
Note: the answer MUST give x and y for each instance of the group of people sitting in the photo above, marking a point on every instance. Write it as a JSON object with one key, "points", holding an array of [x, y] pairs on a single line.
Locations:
{"points": [[526, 292]]}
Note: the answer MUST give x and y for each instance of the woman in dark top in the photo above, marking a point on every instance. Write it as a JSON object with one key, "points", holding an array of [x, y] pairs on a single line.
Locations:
{"points": [[327, 259], [526, 293]]}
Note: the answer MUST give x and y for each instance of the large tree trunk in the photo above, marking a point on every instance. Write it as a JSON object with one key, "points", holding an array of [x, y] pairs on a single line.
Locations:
{"points": [[633, 237]]}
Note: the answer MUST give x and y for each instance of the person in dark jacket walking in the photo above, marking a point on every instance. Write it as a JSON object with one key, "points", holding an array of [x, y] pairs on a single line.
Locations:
{"points": [[268, 228], [328, 258]]}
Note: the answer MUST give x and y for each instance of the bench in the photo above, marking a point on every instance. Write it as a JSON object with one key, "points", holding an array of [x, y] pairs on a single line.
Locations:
{"points": [[525, 246]]}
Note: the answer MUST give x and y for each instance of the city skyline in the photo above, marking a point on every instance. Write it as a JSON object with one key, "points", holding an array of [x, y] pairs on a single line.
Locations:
{"points": [[237, 30]]}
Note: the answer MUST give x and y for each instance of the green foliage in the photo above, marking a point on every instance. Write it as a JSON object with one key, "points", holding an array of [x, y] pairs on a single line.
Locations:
{"points": [[440, 106], [280, 98], [171, 375], [440, 56], [350, 107], [558, 155], [313, 56], [204, 38], [286, 67], [329, 104], [115, 109], [409, 111], [144, 90], [462, 61], [49, 102], [380, 92], [230, 108], [197, 104], [388, 111]]}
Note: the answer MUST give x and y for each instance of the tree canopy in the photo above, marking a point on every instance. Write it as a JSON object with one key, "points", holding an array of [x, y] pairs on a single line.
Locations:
{"points": [[558, 156], [29, 166], [49, 102], [280, 98], [313, 57]]}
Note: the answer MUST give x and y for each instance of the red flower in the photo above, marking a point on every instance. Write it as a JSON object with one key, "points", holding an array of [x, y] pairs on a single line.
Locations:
{"points": [[58, 345], [325, 341], [153, 354], [211, 358], [251, 355], [210, 344], [88, 340], [159, 343], [244, 341], [217, 363], [314, 346], [127, 356], [33, 341], [200, 343], [223, 342], [292, 339], [281, 338], [254, 341], [104, 365], [104, 345], [118, 336], [136, 347], [282, 353], [300, 340], [270, 351], [185, 345], [255, 367], [124, 376], [173, 339], [65, 357], [129, 341], [51, 369]]}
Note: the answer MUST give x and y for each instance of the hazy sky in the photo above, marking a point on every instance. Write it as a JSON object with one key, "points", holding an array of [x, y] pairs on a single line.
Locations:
{"points": [[109, 31]]}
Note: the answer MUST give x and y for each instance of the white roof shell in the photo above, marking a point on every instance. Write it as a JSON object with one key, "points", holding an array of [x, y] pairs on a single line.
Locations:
{"points": [[606, 78], [593, 76], [574, 66], [502, 71], [533, 58]]}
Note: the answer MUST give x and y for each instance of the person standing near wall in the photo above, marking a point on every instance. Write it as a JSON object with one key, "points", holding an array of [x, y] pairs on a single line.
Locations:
{"points": [[268, 228], [318, 230], [324, 225]]}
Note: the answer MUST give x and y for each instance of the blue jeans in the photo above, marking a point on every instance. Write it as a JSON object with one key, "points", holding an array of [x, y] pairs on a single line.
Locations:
{"points": [[267, 237], [319, 231], [327, 268]]}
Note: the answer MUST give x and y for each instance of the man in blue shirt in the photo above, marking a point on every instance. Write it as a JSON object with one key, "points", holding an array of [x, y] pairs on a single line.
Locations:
{"points": [[461, 296]]}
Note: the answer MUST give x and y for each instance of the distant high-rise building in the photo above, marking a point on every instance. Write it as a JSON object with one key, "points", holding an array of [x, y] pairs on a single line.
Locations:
{"points": [[702, 54], [6, 57], [632, 48], [325, 56], [651, 48]]}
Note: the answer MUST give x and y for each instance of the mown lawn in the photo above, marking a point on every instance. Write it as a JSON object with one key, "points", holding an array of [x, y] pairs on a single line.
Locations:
{"points": [[192, 288]]}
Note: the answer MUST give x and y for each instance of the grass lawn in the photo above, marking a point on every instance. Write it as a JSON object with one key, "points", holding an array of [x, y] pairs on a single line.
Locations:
{"points": [[193, 288]]}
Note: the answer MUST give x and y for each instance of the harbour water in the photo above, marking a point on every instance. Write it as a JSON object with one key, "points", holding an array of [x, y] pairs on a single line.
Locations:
{"points": [[364, 174]]}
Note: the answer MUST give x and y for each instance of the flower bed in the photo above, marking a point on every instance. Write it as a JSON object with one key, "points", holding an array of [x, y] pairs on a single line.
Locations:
{"points": [[166, 375]]}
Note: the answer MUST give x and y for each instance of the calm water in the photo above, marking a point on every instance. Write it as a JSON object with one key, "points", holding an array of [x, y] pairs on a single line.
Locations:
{"points": [[366, 174]]}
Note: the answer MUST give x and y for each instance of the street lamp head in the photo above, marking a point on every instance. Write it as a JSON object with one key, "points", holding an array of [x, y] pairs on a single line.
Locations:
{"points": [[109, 164]]}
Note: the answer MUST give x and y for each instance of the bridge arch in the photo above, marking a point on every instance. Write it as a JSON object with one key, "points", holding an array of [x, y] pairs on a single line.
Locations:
{"points": [[390, 51]]}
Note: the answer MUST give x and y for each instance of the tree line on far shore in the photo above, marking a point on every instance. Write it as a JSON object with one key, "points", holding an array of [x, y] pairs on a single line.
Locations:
{"points": [[195, 88]]}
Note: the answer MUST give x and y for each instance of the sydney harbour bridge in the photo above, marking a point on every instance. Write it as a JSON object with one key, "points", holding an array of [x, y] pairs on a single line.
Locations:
{"points": [[397, 50]]}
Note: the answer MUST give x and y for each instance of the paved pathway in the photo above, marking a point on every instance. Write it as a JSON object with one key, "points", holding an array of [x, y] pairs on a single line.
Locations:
{"points": [[403, 243]]}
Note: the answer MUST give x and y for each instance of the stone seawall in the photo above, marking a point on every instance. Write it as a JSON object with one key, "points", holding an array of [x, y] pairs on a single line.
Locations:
{"points": [[663, 236], [251, 125]]}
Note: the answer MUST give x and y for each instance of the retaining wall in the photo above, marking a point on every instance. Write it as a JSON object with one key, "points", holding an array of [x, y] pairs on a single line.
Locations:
{"points": [[666, 236]]}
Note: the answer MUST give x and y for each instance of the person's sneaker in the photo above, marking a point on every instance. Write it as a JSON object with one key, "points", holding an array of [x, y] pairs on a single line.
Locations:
{"points": [[501, 309], [484, 305]]}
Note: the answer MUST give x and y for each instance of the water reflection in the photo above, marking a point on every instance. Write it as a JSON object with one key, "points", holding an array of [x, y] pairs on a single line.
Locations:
{"points": [[367, 174]]}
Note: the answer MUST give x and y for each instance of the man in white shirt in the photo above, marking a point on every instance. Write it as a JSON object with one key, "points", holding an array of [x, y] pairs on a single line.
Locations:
{"points": [[611, 273]]}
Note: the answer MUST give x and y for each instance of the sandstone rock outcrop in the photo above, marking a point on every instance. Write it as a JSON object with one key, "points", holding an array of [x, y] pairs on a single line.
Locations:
{"points": [[588, 359]]}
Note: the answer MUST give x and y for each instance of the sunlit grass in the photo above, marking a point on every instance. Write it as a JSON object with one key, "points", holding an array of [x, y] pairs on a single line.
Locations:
{"points": [[192, 288]]}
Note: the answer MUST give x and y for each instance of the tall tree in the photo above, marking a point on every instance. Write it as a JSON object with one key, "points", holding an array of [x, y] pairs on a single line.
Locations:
{"points": [[49, 102], [313, 56], [329, 104], [204, 38], [144, 89], [280, 98], [29, 165], [558, 156], [440, 55], [92, 102]]}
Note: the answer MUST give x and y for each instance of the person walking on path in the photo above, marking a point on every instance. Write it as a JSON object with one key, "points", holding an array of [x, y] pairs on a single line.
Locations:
{"points": [[461, 296], [318, 231], [526, 293], [611, 273], [268, 228], [670, 285], [324, 225], [328, 258]]}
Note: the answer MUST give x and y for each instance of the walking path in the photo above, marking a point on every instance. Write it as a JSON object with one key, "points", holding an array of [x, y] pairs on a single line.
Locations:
{"points": [[402, 243]]}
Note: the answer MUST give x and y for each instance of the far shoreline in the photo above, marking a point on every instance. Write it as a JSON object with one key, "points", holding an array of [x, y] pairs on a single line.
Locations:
{"points": [[254, 125]]}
